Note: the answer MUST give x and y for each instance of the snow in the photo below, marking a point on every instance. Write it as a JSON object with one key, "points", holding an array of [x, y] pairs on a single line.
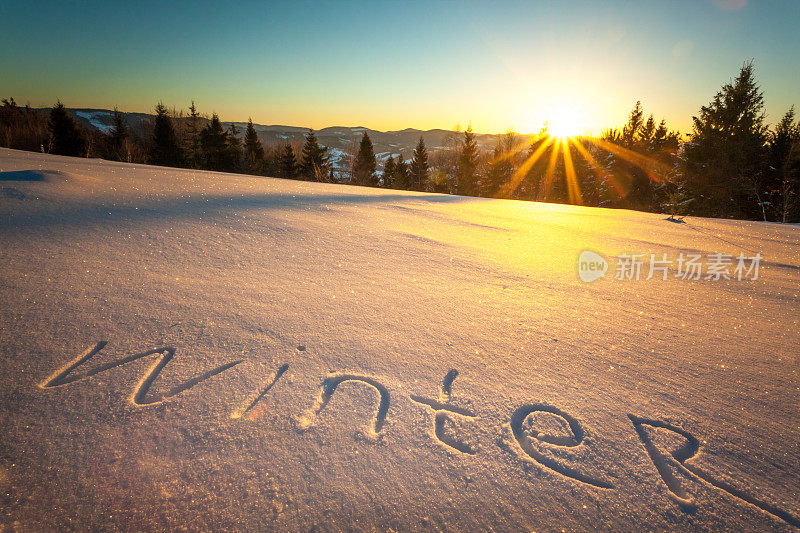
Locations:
{"points": [[336, 156], [566, 404], [94, 119]]}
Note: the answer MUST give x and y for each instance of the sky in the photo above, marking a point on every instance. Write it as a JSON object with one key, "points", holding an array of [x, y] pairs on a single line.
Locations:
{"points": [[396, 65]]}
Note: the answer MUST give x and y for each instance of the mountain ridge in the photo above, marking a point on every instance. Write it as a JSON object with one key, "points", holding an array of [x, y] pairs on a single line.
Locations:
{"points": [[342, 141]]}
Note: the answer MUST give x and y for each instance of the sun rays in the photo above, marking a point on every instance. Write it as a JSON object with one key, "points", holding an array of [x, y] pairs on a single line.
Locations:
{"points": [[565, 163], [555, 148]]}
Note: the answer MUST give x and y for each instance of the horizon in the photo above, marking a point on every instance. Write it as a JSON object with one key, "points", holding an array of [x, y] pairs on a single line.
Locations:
{"points": [[224, 121], [390, 67]]}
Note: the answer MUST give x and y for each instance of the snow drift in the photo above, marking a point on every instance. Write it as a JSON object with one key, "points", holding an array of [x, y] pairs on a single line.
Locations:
{"points": [[190, 349]]}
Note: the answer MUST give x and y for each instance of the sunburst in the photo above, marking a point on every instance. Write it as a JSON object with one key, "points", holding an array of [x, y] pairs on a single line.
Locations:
{"points": [[558, 146], [564, 121]]}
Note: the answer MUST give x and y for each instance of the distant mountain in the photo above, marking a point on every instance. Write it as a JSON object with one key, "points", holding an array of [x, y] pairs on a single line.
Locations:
{"points": [[340, 140], [101, 119], [344, 140]]}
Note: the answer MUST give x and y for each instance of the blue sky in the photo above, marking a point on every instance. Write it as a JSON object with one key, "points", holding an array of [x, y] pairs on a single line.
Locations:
{"points": [[392, 65]]}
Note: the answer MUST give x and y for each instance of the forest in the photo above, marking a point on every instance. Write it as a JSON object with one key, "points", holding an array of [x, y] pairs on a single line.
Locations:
{"points": [[731, 165]]}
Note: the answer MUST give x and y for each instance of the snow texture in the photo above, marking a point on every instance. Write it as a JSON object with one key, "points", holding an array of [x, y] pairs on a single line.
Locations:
{"points": [[198, 350]]}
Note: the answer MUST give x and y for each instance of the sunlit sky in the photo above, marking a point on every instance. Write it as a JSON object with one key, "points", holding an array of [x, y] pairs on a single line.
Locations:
{"points": [[395, 65]]}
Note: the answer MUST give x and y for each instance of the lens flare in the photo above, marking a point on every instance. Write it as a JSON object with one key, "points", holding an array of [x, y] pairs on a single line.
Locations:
{"points": [[552, 146]]}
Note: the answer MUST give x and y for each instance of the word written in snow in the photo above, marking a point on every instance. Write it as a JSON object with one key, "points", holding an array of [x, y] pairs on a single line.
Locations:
{"points": [[532, 444]]}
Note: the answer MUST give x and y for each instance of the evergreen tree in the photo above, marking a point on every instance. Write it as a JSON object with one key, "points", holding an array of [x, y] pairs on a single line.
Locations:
{"points": [[214, 146], [724, 159], [496, 174], [647, 132], [234, 148], [635, 123], [22, 128], [637, 135], [502, 167], [254, 150], [119, 137], [164, 149], [287, 163], [638, 185], [364, 166], [192, 149], [313, 162], [67, 137], [784, 165], [467, 165], [419, 167], [389, 172], [402, 179], [661, 137], [534, 182]]}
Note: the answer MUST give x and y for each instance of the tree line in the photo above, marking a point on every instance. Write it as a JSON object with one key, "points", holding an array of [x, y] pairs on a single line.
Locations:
{"points": [[731, 165]]}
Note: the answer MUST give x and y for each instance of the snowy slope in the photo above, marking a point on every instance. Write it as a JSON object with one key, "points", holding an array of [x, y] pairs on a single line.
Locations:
{"points": [[371, 297], [95, 118]]}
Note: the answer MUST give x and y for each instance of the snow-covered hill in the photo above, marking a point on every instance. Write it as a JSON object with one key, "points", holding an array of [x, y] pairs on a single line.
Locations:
{"points": [[184, 349]]}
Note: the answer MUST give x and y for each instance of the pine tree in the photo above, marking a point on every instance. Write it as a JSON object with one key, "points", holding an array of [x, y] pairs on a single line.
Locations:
{"points": [[214, 146], [164, 149], [22, 128], [364, 166], [389, 172], [234, 148], [419, 167], [635, 122], [724, 160], [119, 137], [287, 163], [646, 133], [119, 129], [638, 184], [402, 179], [192, 148], [501, 167], [467, 165], [784, 164], [313, 162], [254, 150], [496, 173], [534, 182], [67, 137], [637, 135], [661, 137]]}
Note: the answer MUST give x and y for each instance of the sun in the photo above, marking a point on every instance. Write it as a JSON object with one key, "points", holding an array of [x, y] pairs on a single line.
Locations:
{"points": [[563, 122]]}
